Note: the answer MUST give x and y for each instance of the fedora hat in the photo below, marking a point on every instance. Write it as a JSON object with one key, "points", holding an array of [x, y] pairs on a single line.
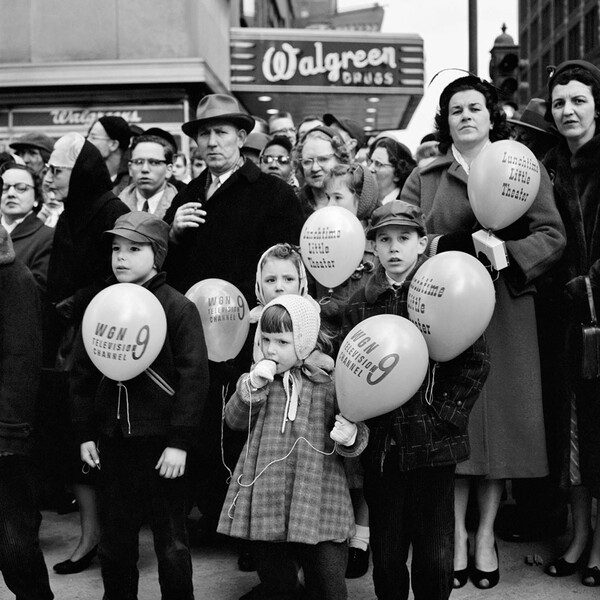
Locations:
{"points": [[533, 117], [218, 107]]}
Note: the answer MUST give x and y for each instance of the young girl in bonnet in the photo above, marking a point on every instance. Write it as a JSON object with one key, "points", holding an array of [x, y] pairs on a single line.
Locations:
{"points": [[288, 492]]}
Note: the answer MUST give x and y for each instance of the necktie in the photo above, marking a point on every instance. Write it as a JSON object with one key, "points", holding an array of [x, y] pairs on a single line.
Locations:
{"points": [[146, 206], [213, 187]]}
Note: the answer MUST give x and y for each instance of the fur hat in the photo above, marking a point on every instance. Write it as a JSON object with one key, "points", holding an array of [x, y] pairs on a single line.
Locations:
{"points": [[306, 321], [66, 150]]}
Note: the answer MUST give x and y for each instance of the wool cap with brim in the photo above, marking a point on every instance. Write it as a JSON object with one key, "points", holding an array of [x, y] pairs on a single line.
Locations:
{"points": [[306, 321], [533, 117], [396, 212], [35, 139], [218, 107], [354, 130], [142, 227], [256, 140]]}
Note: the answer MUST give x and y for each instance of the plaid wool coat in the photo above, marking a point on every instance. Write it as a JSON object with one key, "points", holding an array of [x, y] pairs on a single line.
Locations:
{"points": [[303, 498]]}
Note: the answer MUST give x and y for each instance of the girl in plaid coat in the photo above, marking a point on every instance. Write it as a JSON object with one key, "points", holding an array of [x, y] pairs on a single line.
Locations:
{"points": [[289, 492]]}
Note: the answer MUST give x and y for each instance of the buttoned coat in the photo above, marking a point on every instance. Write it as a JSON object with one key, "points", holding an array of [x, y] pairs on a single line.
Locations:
{"points": [[284, 490], [507, 425]]}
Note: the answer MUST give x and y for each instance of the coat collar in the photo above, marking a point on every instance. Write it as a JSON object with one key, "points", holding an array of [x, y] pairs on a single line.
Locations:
{"points": [[378, 283], [447, 163], [27, 227]]}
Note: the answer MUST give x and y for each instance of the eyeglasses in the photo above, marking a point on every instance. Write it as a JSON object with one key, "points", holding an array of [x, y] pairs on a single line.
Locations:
{"points": [[284, 131], [152, 162], [20, 188], [93, 136], [377, 164], [57, 170], [269, 159], [321, 160]]}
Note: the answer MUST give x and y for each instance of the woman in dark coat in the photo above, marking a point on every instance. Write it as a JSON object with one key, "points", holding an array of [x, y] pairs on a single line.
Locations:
{"points": [[574, 102], [32, 240], [506, 429], [79, 267]]}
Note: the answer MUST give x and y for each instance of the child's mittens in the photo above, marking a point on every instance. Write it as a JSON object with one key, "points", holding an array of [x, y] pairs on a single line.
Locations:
{"points": [[262, 373], [344, 432]]}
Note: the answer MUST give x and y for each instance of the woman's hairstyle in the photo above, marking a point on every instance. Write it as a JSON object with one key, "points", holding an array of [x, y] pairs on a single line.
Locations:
{"points": [[183, 156], [340, 149], [500, 130], [37, 187], [574, 73], [283, 251], [399, 156], [276, 319]]}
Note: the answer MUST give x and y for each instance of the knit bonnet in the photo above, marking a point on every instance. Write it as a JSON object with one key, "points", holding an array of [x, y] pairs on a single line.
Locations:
{"points": [[306, 321], [367, 201]]}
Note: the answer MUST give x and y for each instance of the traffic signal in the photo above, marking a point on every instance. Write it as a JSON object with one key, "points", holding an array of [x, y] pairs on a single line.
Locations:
{"points": [[504, 67]]}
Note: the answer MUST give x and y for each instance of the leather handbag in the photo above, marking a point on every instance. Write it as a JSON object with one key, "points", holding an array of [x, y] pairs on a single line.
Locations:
{"points": [[590, 338]]}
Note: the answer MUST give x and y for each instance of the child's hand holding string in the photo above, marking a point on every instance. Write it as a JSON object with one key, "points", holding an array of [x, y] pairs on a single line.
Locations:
{"points": [[262, 373], [344, 431], [89, 454]]}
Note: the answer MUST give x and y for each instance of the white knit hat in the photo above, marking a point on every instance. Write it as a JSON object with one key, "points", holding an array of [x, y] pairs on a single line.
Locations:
{"points": [[306, 321], [66, 150]]}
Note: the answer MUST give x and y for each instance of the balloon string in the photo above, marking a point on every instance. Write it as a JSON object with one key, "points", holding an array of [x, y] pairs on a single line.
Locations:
{"points": [[122, 386], [430, 383], [224, 395], [230, 511]]}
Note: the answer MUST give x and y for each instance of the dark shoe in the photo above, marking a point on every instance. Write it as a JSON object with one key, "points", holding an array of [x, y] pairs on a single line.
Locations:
{"points": [[591, 576], [485, 580], [460, 577], [358, 563], [68, 567], [246, 562], [564, 568]]}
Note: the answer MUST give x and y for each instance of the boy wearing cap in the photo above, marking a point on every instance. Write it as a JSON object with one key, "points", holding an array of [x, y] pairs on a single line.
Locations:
{"points": [[140, 433], [413, 450]]}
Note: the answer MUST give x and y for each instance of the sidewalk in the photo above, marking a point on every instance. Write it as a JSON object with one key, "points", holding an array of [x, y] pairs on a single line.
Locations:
{"points": [[216, 576]]}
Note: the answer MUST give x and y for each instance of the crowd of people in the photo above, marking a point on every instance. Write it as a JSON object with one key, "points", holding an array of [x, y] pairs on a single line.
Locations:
{"points": [[257, 443]]}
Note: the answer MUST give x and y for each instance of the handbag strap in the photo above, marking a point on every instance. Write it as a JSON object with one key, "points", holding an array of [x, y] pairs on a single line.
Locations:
{"points": [[588, 287]]}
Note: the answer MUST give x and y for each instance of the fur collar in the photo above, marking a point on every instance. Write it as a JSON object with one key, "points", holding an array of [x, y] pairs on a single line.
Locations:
{"points": [[7, 254]]}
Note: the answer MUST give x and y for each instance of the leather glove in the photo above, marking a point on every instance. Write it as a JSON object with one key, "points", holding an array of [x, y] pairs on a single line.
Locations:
{"points": [[344, 432], [458, 240], [262, 373]]}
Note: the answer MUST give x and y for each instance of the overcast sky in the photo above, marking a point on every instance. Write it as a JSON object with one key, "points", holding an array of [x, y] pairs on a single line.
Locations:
{"points": [[443, 25]]}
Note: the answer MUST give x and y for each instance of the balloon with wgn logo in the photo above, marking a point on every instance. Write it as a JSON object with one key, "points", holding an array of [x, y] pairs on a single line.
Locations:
{"points": [[381, 364], [504, 180], [124, 329], [451, 300], [332, 244], [224, 314]]}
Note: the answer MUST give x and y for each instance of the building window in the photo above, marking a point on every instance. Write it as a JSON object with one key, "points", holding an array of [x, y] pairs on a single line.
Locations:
{"points": [[559, 12], [573, 5], [535, 32], [590, 30], [574, 51], [559, 51], [525, 43], [523, 8], [546, 21], [534, 78]]}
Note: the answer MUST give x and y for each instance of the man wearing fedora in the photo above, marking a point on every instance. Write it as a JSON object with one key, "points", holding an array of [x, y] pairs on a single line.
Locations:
{"points": [[220, 226], [532, 130]]}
